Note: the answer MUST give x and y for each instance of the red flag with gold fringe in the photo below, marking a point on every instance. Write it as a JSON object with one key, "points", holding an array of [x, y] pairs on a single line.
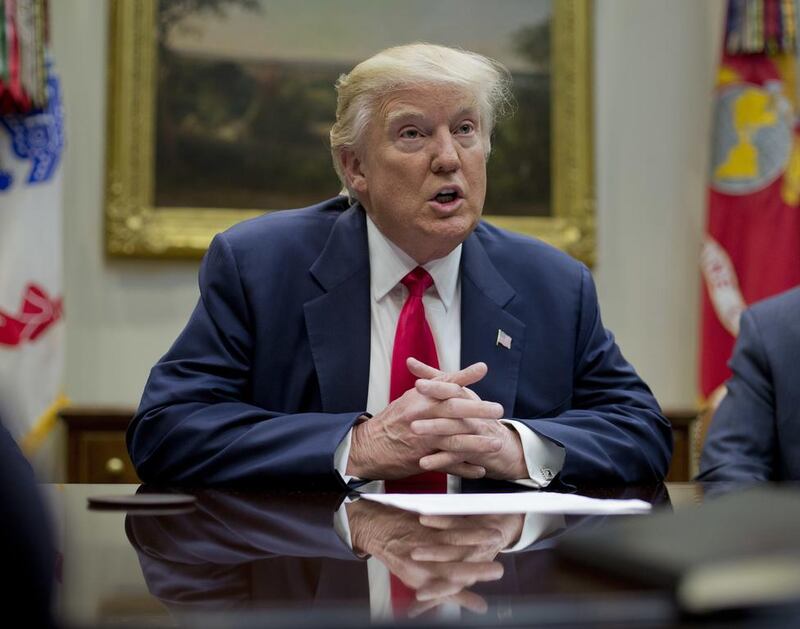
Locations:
{"points": [[751, 248]]}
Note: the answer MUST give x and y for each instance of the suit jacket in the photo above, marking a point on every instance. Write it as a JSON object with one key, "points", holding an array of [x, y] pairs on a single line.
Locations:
{"points": [[272, 368], [755, 432]]}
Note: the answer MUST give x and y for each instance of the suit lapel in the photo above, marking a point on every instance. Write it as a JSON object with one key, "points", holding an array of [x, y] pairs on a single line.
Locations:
{"points": [[338, 321], [484, 296]]}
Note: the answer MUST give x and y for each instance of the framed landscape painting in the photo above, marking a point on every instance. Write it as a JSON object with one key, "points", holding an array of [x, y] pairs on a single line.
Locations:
{"points": [[219, 110]]}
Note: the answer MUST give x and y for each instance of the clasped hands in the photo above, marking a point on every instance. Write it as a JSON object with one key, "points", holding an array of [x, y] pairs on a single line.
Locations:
{"points": [[439, 557], [440, 425]]}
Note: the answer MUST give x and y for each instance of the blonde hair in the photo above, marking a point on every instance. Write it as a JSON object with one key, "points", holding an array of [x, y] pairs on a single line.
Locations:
{"points": [[360, 92]]}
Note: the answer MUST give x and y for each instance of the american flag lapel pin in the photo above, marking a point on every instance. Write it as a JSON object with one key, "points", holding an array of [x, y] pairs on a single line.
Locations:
{"points": [[503, 339]]}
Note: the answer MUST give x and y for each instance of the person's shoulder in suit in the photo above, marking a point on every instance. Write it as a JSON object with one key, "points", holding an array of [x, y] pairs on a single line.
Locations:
{"points": [[777, 320], [527, 262], [755, 431], [280, 230], [769, 339]]}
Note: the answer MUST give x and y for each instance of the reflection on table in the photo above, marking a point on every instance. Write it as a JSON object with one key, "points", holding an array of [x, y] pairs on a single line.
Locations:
{"points": [[295, 554], [305, 559]]}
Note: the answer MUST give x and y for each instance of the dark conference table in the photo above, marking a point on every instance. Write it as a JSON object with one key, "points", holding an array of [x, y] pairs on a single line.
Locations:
{"points": [[248, 558]]}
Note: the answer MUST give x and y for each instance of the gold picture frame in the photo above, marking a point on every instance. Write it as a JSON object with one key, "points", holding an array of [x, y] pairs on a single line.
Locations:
{"points": [[136, 227]]}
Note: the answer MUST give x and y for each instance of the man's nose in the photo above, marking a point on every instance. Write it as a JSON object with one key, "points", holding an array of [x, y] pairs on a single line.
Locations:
{"points": [[445, 156]]}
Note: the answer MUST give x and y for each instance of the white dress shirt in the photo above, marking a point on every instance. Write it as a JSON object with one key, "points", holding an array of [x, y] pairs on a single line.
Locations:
{"points": [[388, 265]]}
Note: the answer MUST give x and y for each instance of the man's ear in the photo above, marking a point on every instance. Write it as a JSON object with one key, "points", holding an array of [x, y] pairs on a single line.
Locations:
{"points": [[351, 165]]}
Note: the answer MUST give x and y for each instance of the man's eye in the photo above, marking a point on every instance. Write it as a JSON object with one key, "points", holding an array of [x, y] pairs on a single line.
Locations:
{"points": [[410, 134], [466, 128]]}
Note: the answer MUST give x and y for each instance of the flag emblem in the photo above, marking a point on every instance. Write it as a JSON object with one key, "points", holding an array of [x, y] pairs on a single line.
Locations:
{"points": [[503, 339]]}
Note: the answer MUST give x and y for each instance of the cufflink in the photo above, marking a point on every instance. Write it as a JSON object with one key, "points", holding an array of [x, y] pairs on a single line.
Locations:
{"points": [[547, 473]]}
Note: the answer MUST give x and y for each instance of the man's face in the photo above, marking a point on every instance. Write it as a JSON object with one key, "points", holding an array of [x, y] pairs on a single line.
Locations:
{"points": [[421, 172]]}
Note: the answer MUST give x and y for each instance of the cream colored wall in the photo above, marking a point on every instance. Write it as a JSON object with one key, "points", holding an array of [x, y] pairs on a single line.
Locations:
{"points": [[120, 315], [655, 63], [654, 68]]}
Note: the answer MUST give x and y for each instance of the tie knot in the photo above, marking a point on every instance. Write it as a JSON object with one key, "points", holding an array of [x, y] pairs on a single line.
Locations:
{"points": [[417, 282]]}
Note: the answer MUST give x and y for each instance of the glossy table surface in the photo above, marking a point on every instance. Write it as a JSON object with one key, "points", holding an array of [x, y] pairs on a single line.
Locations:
{"points": [[241, 558]]}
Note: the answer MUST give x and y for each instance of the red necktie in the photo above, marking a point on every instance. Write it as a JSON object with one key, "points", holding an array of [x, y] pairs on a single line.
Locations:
{"points": [[413, 338]]}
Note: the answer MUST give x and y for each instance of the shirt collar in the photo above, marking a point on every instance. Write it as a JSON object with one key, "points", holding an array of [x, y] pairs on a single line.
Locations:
{"points": [[388, 264]]}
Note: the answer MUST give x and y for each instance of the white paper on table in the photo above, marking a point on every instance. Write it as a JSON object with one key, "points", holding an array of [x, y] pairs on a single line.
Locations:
{"points": [[517, 502]]}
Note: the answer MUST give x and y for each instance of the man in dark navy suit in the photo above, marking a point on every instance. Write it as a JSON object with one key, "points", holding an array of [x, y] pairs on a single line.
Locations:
{"points": [[299, 361], [755, 432]]}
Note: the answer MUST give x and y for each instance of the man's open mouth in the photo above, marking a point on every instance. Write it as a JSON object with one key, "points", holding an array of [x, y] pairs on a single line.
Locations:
{"points": [[447, 195]]}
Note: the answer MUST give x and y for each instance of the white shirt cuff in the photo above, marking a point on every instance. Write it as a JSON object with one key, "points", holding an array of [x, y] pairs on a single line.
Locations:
{"points": [[537, 526], [543, 458], [342, 456], [341, 524]]}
